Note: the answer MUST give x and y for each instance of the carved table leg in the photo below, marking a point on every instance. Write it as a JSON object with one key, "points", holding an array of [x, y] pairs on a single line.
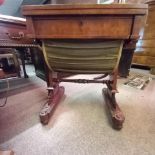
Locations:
{"points": [[116, 114], [54, 97]]}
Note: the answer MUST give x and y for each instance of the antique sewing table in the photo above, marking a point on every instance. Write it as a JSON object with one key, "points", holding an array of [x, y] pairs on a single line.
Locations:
{"points": [[84, 39]]}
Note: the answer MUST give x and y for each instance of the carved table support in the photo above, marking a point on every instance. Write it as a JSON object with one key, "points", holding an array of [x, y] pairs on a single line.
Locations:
{"points": [[116, 114], [54, 97], [55, 94]]}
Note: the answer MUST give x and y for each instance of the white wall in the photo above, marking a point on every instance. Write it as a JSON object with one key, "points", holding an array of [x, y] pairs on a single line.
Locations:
{"points": [[10, 7]]}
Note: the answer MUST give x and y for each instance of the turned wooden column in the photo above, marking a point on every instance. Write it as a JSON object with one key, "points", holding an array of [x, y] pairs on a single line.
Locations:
{"points": [[145, 50]]}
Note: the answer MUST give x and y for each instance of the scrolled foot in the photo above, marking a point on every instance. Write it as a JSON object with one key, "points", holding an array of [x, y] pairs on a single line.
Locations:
{"points": [[118, 119], [44, 114], [49, 107], [117, 116]]}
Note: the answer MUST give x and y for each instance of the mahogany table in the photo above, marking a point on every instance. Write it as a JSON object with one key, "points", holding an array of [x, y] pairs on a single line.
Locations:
{"points": [[70, 26]]}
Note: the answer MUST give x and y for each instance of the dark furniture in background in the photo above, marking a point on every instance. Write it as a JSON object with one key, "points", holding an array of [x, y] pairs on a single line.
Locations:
{"points": [[13, 35], [145, 51], [9, 63]]}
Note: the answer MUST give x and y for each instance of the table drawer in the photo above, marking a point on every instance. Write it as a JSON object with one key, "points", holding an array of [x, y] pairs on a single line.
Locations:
{"points": [[78, 27], [13, 33]]}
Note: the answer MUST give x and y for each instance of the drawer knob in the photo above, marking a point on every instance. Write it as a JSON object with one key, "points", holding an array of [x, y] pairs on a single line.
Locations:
{"points": [[19, 36]]}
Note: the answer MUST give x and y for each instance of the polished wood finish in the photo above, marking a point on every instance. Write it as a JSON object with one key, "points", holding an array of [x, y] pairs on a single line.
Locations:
{"points": [[82, 19], [84, 28], [145, 50], [85, 22]]}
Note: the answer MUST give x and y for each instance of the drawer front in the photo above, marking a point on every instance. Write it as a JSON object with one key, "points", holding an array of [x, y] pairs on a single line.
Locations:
{"points": [[13, 33], [78, 27]]}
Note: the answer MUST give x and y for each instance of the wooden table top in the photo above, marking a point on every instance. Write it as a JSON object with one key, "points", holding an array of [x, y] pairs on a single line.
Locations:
{"points": [[84, 9], [87, 21]]}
